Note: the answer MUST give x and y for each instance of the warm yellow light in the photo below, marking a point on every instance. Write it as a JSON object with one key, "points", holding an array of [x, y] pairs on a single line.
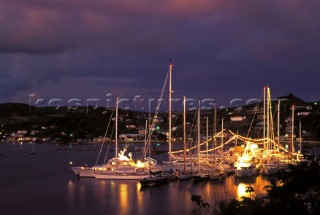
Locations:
{"points": [[253, 146], [242, 191], [140, 164]]}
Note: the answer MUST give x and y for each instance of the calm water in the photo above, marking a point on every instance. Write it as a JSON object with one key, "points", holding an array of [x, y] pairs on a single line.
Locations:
{"points": [[44, 184]]}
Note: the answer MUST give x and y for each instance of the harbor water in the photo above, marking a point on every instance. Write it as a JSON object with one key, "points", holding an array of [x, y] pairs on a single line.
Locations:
{"points": [[44, 184]]}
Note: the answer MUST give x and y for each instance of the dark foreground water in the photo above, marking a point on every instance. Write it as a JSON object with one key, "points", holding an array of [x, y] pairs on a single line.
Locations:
{"points": [[44, 184]]}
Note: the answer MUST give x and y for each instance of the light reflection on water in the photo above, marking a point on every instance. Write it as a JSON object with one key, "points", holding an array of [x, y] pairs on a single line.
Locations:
{"points": [[123, 198], [45, 178]]}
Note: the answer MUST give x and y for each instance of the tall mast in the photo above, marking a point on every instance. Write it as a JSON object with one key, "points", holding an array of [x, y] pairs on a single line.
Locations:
{"points": [[215, 124], [145, 140], [184, 133], [264, 117], [149, 122], [198, 139], [198, 126], [268, 117], [300, 135], [170, 99], [278, 127], [222, 134], [292, 130], [116, 132], [207, 136]]}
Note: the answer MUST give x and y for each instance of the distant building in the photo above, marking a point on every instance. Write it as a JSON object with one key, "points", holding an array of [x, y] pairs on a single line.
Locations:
{"points": [[237, 118], [19, 134], [131, 126], [101, 139], [34, 132], [142, 131], [130, 137], [304, 113]]}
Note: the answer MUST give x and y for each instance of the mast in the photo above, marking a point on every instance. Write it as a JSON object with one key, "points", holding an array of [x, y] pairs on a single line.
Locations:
{"points": [[145, 140], [268, 117], [150, 124], [116, 130], [170, 99], [207, 136], [278, 126], [300, 135], [222, 134], [264, 117], [215, 124], [198, 139], [184, 134], [292, 130]]}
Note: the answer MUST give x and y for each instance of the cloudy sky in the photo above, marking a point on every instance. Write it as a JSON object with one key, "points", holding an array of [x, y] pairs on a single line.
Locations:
{"points": [[221, 49]]}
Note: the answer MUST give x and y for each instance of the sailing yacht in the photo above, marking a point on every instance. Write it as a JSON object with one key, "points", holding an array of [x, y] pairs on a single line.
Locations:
{"points": [[246, 165], [123, 167], [171, 166], [270, 164], [87, 171], [217, 175], [200, 175]]}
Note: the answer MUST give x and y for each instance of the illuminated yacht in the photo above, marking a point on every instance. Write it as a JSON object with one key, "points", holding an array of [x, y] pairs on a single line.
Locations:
{"points": [[123, 167], [246, 164]]}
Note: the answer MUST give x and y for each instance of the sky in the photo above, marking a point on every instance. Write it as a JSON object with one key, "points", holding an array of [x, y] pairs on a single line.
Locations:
{"points": [[71, 51]]}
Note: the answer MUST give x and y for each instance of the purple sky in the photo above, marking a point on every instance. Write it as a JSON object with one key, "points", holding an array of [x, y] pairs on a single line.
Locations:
{"points": [[221, 49]]}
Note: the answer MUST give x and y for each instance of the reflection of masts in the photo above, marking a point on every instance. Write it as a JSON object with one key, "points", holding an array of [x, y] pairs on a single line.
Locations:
{"points": [[170, 95]]}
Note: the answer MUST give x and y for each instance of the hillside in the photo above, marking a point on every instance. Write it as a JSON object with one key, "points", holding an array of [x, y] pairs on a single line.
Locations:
{"points": [[88, 122]]}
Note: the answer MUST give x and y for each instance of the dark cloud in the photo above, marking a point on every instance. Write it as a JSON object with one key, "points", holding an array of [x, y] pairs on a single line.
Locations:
{"points": [[221, 49]]}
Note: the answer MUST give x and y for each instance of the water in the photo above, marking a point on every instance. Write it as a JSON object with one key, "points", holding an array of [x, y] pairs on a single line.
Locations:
{"points": [[44, 184]]}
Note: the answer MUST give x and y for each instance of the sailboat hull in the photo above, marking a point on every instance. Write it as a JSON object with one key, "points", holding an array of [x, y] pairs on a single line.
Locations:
{"points": [[86, 172], [115, 176], [270, 169]]}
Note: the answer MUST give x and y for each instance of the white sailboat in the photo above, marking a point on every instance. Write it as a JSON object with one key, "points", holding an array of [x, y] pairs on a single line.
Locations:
{"points": [[246, 164], [87, 171], [270, 166], [124, 167], [170, 166], [199, 175]]}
